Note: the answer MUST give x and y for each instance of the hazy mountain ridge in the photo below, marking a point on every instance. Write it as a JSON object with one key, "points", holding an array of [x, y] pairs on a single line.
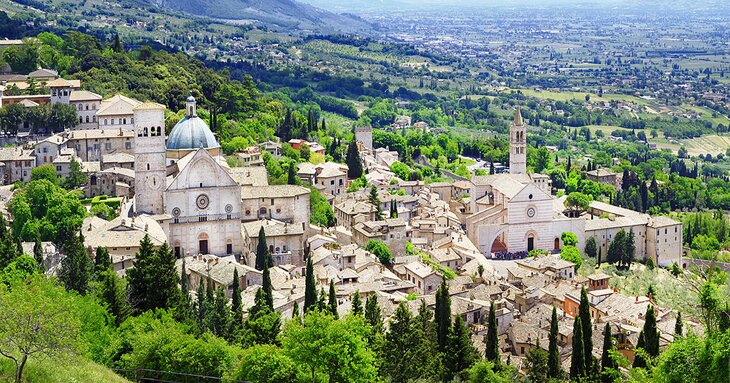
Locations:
{"points": [[283, 13]]}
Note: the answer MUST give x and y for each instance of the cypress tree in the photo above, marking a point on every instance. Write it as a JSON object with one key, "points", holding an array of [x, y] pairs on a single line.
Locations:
{"points": [[400, 364], [492, 341], [291, 176], [209, 292], [153, 280], [461, 353], [587, 330], [310, 288], [219, 319], [537, 364], [322, 302], [651, 335], [332, 303], [356, 303], [555, 369], [577, 359], [678, 325], [236, 305], [38, 254], [184, 307], [352, 159], [443, 314], [373, 315], [102, 260], [606, 361], [295, 311], [76, 268], [262, 250], [640, 345], [113, 294], [267, 287], [202, 307]]}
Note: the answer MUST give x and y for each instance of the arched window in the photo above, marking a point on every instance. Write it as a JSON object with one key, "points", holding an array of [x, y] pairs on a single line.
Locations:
{"points": [[145, 132], [87, 118], [148, 166]]}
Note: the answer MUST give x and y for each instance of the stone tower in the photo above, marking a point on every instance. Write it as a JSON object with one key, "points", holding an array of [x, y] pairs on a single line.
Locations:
{"points": [[149, 158], [517, 145], [364, 135]]}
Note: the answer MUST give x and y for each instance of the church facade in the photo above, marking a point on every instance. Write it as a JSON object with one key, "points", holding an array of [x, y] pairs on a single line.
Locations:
{"points": [[515, 213], [185, 184]]}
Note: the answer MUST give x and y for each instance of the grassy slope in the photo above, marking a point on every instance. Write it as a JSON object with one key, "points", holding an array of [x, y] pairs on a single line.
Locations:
{"points": [[59, 371]]}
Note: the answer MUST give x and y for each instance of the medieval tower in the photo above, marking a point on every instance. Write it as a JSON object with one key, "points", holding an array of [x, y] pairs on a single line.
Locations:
{"points": [[517, 145], [149, 154]]}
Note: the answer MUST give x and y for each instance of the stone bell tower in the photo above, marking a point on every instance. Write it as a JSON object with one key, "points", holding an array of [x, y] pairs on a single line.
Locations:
{"points": [[517, 145], [149, 158]]}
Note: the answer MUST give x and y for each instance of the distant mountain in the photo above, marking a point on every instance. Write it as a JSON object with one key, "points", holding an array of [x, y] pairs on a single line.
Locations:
{"points": [[287, 14]]}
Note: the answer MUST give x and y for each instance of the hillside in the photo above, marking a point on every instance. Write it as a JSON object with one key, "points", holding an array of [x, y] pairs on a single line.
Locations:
{"points": [[283, 13], [53, 371]]}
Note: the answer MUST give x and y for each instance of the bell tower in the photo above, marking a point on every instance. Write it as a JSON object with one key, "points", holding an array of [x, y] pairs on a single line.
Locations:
{"points": [[517, 145], [149, 158]]}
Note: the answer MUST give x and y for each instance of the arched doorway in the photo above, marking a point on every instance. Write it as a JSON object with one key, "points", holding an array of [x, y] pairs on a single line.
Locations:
{"points": [[203, 243], [557, 244], [530, 242]]}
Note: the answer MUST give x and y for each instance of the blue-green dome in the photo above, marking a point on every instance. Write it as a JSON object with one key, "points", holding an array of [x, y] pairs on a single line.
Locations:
{"points": [[191, 133]]}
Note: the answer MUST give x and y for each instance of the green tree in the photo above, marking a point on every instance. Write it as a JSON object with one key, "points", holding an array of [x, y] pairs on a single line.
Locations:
{"points": [[268, 287], [375, 201], [373, 316], [263, 324], [310, 287], [640, 351], [102, 260], [265, 363], [335, 350], [537, 364], [591, 249], [321, 210], [38, 254], [399, 361], [111, 290], [617, 247], [236, 304], [37, 319], [651, 334], [585, 319], [380, 250], [44, 172], [442, 315], [76, 267], [332, 304], [577, 359], [678, 325], [76, 177], [352, 159], [555, 369], [571, 254], [607, 362], [220, 317], [262, 250], [461, 354], [492, 337], [569, 239], [152, 282], [578, 202], [356, 303], [24, 58], [291, 176]]}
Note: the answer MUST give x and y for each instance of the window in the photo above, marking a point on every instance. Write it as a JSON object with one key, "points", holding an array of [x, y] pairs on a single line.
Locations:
{"points": [[203, 218], [128, 145], [58, 168], [272, 202], [106, 122], [108, 146], [332, 182], [229, 248], [87, 106]]}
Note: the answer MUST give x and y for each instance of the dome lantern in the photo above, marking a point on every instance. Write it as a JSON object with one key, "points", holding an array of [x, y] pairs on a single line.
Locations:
{"points": [[190, 107]]}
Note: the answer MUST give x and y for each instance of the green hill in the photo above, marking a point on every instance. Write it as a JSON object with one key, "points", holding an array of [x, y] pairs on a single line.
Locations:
{"points": [[59, 371], [288, 14]]}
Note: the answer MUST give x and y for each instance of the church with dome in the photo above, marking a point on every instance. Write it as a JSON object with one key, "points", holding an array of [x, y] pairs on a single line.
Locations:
{"points": [[185, 183]]}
